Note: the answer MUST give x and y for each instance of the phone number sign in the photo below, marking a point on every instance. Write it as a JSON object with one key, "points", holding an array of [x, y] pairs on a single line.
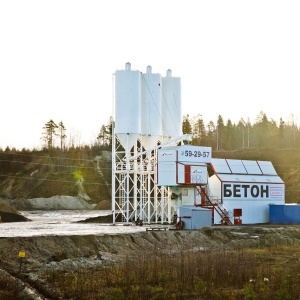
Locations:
{"points": [[194, 154]]}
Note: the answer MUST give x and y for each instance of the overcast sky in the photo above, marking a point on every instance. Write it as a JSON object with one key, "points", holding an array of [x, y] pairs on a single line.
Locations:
{"points": [[57, 59]]}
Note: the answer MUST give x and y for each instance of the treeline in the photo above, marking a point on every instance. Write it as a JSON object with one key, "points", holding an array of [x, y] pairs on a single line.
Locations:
{"points": [[54, 136], [264, 133], [56, 154]]}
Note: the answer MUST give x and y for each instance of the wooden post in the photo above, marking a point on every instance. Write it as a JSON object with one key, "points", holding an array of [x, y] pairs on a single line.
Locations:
{"points": [[22, 256]]}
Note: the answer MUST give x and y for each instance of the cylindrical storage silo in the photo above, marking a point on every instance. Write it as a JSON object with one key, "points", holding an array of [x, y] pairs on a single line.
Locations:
{"points": [[171, 106], [151, 115], [127, 106]]}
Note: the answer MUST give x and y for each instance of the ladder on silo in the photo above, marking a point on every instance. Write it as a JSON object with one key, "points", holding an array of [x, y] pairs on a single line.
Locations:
{"points": [[206, 201]]}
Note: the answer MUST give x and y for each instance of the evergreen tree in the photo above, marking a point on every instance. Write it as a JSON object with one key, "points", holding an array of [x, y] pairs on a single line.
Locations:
{"points": [[199, 133], [102, 135], [229, 136], [105, 135], [220, 132], [49, 133], [261, 132], [186, 125], [211, 133]]}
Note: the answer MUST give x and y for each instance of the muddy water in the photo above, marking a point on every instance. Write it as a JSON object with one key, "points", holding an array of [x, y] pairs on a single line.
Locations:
{"points": [[63, 222]]}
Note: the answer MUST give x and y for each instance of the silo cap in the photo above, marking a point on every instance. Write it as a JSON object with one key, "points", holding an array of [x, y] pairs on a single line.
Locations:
{"points": [[128, 66], [169, 73]]}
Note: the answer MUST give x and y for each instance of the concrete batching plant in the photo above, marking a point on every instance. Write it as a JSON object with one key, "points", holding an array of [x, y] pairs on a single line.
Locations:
{"points": [[155, 175], [147, 115]]}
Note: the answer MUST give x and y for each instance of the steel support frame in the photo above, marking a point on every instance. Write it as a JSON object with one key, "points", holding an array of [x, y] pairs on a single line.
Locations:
{"points": [[135, 194]]}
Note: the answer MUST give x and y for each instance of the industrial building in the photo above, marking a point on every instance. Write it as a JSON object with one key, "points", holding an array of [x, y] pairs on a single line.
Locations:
{"points": [[157, 175], [246, 189]]}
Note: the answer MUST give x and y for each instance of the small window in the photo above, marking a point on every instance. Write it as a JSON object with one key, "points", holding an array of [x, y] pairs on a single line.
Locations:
{"points": [[185, 192]]}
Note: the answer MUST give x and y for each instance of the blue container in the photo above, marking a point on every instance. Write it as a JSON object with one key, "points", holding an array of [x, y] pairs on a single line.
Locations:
{"points": [[284, 214], [195, 217]]}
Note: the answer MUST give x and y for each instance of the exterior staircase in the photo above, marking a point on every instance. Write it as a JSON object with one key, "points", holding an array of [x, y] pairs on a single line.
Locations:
{"points": [[207, 201]]}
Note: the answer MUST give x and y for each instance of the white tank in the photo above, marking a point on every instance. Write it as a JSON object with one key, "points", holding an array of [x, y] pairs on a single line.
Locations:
{"points": [[127, 106], [171, 106], [151, 116]]}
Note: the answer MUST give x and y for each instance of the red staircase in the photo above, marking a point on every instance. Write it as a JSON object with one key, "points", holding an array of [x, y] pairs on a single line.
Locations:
{"points": [[207, 202]]}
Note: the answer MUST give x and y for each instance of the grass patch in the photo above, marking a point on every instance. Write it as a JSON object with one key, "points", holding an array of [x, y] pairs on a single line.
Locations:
{"points": [[261, 273]]}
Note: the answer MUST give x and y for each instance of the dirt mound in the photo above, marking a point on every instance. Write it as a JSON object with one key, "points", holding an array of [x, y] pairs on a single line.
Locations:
{"points": [[9, 214], [103, 205], [52, 203], [6, 208], [59, 202], [9, 208], [102, 219], [9, 217]]}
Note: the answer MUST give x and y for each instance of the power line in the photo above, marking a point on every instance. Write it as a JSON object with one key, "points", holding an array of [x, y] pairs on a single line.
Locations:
{"points": [[53, 180], [93, 167], [49, 165], [46, 157], [92, 161]]}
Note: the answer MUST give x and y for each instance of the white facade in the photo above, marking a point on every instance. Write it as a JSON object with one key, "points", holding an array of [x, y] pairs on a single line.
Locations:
{"points": [[127, 106], [151, 116], [243, 188], [246, 185], [147, 107], [182, 165], [171, 105]]}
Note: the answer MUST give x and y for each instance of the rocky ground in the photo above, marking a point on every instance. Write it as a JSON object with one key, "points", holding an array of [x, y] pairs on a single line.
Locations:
{"points": [[67, 253]]}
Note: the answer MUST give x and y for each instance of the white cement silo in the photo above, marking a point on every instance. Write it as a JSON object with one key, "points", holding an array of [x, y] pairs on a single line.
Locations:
{"points": [[171, 106], [127, 106], [139, 116], [151, 116]]}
